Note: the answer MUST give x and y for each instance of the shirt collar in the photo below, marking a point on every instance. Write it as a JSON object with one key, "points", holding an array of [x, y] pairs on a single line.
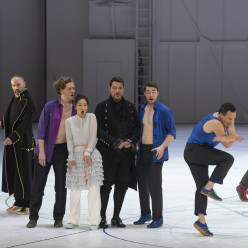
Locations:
{"points": [[155, 106]]}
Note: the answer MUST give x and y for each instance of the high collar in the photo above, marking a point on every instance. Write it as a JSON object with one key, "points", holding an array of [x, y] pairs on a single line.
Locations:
{"points": [[114, 102], [23, 93]]}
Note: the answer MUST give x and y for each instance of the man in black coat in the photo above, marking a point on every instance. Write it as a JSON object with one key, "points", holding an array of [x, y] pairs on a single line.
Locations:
{"points": [[118, 133], [19, 147]]}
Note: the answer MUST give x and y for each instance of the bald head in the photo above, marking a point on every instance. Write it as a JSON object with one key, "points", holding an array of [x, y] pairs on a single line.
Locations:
{"points": [[18, 85]]}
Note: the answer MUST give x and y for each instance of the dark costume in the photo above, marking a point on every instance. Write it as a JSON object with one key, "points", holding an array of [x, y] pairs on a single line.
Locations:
{"points": [[117, 122], [18, 157]]}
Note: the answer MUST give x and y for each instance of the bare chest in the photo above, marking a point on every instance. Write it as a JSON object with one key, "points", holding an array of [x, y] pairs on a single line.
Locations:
{"points": [[148, 117], [66, 113]]}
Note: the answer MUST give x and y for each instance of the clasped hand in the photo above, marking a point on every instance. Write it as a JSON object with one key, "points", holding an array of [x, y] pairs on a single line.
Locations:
{"points": [[125, 144]]}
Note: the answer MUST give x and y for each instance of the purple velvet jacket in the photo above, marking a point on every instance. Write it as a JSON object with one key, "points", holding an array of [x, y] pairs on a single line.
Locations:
{"points": [[48, 126]]}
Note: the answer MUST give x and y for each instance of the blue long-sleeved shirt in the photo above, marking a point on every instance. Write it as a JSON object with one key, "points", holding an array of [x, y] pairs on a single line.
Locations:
{"points": [[163, 124]]}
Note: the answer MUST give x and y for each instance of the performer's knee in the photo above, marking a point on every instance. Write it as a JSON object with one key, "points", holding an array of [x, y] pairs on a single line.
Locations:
{"points": [[107, 186], [121, 187], [229, 160]]}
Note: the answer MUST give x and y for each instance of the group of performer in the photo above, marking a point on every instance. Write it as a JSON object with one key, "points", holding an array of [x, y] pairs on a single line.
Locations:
{"points": [[113, 146]]}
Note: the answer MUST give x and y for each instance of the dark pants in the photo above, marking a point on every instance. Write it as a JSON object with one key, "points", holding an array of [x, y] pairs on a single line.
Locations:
{"points": [[58, 161], [244, 180], [149, 176], [22, 203], [198, 158], [118, 173]]}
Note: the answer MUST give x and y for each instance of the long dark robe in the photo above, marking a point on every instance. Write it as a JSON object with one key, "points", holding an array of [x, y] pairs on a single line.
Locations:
{"points": [[18, 158]]}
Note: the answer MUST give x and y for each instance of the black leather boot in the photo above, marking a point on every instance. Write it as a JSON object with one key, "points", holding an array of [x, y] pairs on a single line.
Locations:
{"points": [[103, 223], [116, 221]]}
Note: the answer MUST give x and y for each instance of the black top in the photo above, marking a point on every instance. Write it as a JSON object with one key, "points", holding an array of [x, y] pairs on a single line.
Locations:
{"points": [[119, 118]]}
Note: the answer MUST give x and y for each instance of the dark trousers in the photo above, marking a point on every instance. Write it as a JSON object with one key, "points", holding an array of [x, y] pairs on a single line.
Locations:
{"points": [[198, 158], [22, 203], [149, 176], [58, 161], [117, 172], [244, 180]]}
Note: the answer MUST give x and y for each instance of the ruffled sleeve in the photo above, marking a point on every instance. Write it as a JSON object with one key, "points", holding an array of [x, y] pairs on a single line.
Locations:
{"points": [[69, 139], [92, 134]]}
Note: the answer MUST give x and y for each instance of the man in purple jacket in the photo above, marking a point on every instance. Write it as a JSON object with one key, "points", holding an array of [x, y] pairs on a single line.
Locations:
{"points": [[52, 150]]}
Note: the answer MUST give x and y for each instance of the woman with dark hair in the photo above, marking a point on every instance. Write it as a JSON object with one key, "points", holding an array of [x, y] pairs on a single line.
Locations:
{"points": [[85, 169]]}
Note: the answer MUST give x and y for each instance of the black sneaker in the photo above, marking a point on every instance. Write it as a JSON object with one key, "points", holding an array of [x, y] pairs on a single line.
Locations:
{"points": [[32, 223], [103, 223], [58, 223], [116, 221]]}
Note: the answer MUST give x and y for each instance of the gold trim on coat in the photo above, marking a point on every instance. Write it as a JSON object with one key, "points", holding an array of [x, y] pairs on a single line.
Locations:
{"points": [[5, 166], [19, 173]]}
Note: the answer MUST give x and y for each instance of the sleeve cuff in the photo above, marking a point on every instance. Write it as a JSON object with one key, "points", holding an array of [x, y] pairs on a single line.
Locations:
{"points": [[71, 157]]}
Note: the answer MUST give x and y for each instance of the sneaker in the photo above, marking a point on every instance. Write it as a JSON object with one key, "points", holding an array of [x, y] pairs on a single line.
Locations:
{"points": [[210, 193], [155, 224], [58, 223], [94, 227], [242, 193], [103, 223], [32, 223], [116, 221], [70, 226], [202, 228], [143, 219], [13, 209], [23, 211]]}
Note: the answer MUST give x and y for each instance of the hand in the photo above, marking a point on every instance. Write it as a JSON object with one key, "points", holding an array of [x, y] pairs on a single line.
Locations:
{"points": [[127, 144], [8, 142], [219, 138], [87, 159], [73, 162], [0, 123], [121, 145], [159, 152], [239, 138], [42, 159]]}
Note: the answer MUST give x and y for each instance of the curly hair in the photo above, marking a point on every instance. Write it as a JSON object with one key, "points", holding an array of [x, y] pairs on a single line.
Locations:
{"points": [[60, 84]]}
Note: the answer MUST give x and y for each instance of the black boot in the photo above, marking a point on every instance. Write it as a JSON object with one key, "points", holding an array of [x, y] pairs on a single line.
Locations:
{"points": [[116, 221], [103, 223]]}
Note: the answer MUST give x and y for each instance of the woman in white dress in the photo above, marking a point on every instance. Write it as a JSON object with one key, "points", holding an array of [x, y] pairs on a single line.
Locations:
{"points": [[85, 169]]}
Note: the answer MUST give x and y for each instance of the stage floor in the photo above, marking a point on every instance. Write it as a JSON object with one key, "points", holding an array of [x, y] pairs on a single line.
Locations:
{"points": [[228, 220]]}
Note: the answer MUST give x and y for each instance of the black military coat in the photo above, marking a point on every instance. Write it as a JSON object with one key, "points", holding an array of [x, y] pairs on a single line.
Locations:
{"points": [[18, 157], [107, 136]]}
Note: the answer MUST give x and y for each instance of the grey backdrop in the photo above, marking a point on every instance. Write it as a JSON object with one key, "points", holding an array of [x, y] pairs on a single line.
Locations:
{"points": [[200, 54]]}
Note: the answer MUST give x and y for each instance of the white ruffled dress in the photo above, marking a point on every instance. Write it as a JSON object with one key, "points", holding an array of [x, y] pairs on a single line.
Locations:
{"points": [[81, 139]]}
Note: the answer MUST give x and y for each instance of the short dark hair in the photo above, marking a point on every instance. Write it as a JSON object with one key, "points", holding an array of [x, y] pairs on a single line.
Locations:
{"points": [[60, 84], [116, 79], [225, 107], [151, 84], [79, 97], [18, 76]]}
